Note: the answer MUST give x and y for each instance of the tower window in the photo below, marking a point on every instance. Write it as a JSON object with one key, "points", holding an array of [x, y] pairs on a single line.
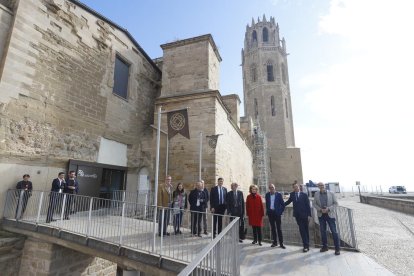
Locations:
{"points": [[256, 109], [283, 68], [253, 73], [286, 107], [265, 35], [121, 75], [254, 36], [272, 105], [270, 76]]}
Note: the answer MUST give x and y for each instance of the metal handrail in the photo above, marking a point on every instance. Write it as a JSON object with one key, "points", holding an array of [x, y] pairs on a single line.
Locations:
{"points": [[208, 249]]}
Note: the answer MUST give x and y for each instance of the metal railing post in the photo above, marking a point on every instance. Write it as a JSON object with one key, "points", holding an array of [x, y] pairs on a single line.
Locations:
{"points": [[351, 228], [212, 226], [88, 231], [162, 229], [154, 229], [63, 208], [39, 208], [122, 223], [218, 258]]}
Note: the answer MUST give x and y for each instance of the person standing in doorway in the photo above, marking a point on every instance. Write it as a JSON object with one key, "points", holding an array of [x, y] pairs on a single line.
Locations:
{"points": [[255, 213], [301, 212], [24, 189], [325, 204], [274, 210], [71, 188], [218, 196], [55, 197]]}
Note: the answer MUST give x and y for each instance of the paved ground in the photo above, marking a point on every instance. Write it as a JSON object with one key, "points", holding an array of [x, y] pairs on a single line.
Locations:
{"points": [[265, 260], [384, 235]]}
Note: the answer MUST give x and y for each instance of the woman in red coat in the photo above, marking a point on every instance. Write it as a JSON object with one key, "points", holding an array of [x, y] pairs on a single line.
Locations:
{"points": [[255, 212]]}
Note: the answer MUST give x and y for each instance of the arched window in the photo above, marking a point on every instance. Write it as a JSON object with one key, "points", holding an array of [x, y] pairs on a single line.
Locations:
{"points": [[269, 69], [283, 68], [286, 107], [265, 35], [254, 36], [256, 109], [253, 73], [272, 105]]}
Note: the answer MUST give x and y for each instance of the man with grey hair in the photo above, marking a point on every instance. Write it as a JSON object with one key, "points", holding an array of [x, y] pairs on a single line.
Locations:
{"points": [[197, 200], [235, 207], [274, 210], [325, 204]]}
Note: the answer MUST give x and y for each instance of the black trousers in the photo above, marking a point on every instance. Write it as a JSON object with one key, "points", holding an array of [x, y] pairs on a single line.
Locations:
{"points": [[68, 207], [23, 202], [303, 224], [257, 234], [196, 223], [166, 221], [55, 199], [276, 223], [218, 220]]}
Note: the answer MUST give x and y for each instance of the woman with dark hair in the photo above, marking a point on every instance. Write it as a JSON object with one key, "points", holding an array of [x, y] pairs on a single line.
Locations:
{"points": [[179, 204], [255, 212]]}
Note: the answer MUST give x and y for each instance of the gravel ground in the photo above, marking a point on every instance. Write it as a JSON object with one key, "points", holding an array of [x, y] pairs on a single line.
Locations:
{"points": [[384, 235]]}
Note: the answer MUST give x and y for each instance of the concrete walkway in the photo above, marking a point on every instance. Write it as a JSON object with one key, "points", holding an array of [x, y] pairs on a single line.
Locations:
{"points": [[264, 260]]}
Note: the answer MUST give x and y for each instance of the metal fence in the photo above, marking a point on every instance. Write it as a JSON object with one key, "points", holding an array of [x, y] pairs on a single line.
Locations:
{"points": [[126, 224], [145, 197], [220, 257]]}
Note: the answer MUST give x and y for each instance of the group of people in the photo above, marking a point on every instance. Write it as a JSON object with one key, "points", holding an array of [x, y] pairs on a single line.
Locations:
{"points": [[221, 200], [60, 186]]}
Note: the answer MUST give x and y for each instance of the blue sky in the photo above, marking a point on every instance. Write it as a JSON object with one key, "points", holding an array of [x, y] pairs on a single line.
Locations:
{"points": [[350, 70]]}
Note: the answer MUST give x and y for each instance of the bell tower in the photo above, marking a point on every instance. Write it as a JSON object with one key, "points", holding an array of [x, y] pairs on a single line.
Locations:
{"points": [[267, 99]]}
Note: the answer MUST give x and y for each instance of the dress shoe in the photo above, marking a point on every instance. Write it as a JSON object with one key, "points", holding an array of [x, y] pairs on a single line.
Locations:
{"points": [[305, 249], [66, 219], [337, 252], [254, 242], [324, 249], [205, 233], [282, 246], [273, 245], [260, 243], [199, 235], [240, 240]]}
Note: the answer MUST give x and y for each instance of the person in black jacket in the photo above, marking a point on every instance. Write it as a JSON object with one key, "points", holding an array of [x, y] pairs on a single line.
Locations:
{"points": [[218, 205], [55, 198], [71, 188], [302, 212], [235, 207], [197, 200], [24, 188], [204, 214]]}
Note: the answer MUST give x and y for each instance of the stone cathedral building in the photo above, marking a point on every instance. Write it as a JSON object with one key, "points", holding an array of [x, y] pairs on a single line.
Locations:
{"points": [[267, 101], [78, 92]]}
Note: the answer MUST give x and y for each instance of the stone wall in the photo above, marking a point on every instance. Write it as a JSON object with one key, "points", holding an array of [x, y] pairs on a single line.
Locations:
{"points": [[397, 204], [6, 16], [56, 99], [42, 258], [11, 246], [190, 65]]}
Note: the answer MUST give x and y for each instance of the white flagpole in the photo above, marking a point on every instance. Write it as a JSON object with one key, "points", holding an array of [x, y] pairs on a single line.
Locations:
{"points": [[201, 148], [157, 161]]}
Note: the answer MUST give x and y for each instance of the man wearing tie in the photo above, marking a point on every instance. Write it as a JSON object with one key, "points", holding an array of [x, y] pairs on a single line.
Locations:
{"points": [[302, 212], [235, 207], [274, 209], [55, 197], [218, 196]]}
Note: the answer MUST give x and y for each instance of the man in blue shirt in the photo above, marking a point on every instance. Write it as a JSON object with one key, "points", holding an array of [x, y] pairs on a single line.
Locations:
{"points": [[274, 210]]}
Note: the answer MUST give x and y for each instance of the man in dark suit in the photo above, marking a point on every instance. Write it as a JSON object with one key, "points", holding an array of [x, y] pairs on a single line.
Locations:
{"points": [[204, 214], [302, 212], [70, 189], [197, 200], [274, 210], [24, 188], [235, 207], [55, 197], [218, 196]]}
